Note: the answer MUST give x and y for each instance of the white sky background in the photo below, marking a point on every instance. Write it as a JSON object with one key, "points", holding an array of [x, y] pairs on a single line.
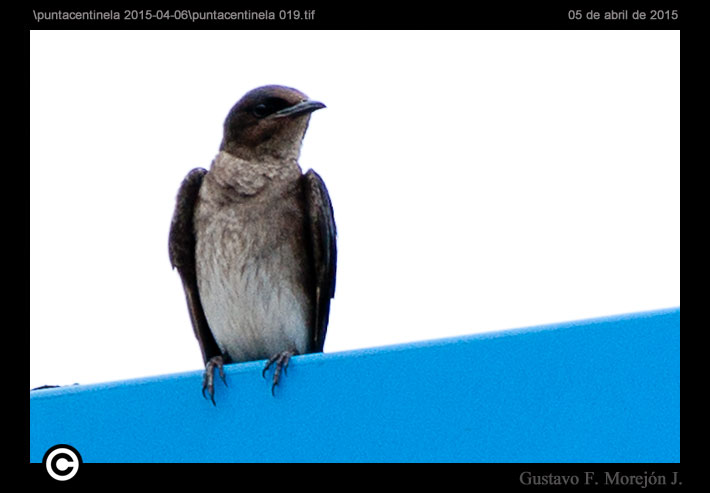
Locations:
{"points": [[481, 180]]}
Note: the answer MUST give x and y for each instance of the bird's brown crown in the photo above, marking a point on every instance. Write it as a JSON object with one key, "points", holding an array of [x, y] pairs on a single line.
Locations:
{"points": [[269, 121]]}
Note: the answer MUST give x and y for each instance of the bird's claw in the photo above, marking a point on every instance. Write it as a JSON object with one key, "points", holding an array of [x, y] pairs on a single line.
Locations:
{"points": [[281, 359], [208, 376]]}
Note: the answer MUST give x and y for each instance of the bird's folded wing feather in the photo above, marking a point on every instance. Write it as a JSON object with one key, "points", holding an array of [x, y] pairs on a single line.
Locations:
{"points": [[319, 212], [181, 246]]}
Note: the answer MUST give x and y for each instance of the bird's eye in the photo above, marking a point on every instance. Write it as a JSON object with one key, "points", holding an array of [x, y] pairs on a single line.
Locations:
{"points": [[260, 110], [268, 106]]}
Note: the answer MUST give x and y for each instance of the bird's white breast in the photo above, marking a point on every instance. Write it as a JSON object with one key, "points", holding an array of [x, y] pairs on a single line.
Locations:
{"points": [[251, 281]]}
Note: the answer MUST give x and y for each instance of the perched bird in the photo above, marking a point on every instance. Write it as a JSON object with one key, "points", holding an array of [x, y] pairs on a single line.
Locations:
{"points": [[253, 239]]}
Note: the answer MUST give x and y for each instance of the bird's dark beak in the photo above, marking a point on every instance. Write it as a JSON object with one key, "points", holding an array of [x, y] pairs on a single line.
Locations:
{"points": [[301, 108]]}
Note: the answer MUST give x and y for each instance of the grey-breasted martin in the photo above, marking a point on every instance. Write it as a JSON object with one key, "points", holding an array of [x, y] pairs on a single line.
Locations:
{"points": [[253, 239]]}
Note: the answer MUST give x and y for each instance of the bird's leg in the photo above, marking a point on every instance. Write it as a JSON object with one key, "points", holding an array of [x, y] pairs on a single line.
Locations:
{"points": [[281, 359], [208, 376]]}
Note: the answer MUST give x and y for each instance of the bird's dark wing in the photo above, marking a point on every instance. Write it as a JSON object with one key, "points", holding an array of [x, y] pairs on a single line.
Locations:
{"points": [[181, 246], [319, 213]]}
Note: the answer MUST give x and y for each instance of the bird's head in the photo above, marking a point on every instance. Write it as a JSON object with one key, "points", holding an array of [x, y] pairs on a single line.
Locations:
{"points": [[268, 122]]}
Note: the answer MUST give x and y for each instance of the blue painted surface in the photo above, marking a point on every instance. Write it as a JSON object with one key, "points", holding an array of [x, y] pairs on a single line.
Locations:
{"points": [[601, 390]]}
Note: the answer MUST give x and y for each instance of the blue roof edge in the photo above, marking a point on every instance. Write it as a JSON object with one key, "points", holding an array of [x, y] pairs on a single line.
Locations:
{"points": [[607, 391]]}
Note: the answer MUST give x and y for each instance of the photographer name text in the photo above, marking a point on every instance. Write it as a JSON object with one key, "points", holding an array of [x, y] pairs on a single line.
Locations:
{"points": [[606, 478]]}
